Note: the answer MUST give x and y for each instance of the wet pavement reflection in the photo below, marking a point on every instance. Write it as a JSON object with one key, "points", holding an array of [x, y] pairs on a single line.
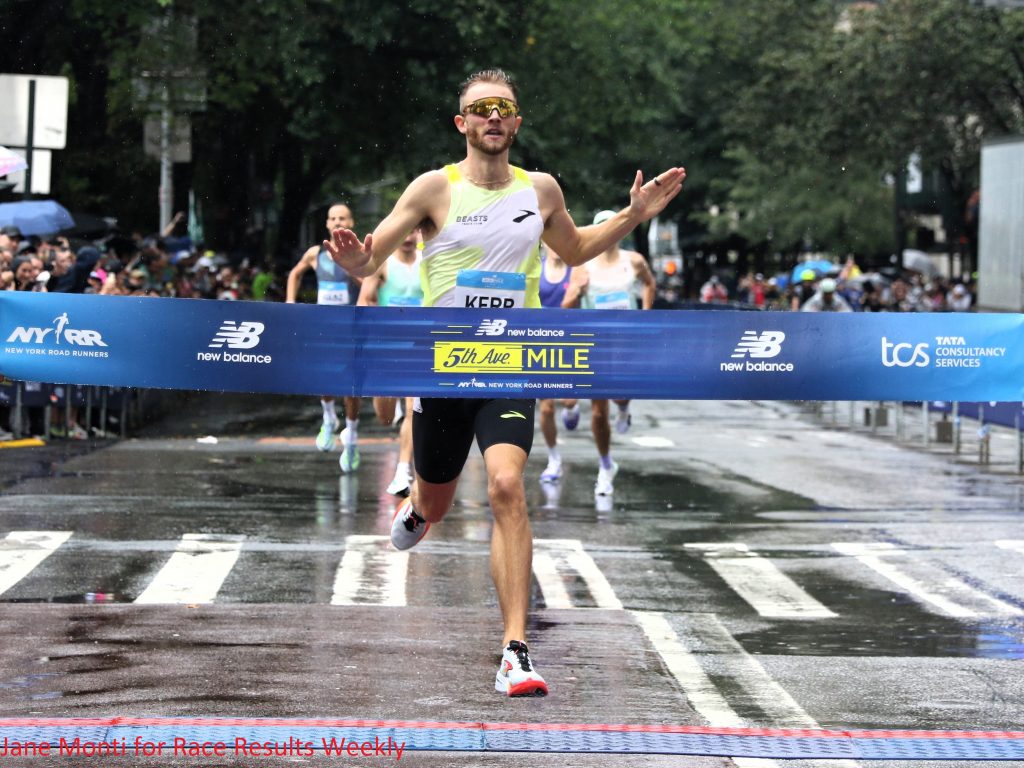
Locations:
{"points": [[770, 554]]}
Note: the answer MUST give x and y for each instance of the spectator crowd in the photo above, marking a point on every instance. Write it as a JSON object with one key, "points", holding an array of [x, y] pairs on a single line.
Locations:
{"points": [[159, 265], [164, 264], [844, 288]]}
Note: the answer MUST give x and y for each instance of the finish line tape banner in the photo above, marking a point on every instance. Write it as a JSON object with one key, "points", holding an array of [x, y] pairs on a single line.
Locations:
{"points": [[244, 346]]}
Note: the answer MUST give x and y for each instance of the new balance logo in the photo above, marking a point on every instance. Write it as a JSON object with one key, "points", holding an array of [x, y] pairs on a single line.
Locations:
{"points": [[768, 344], [513, 415], [492, 328], [244, 335], [526, 214]]}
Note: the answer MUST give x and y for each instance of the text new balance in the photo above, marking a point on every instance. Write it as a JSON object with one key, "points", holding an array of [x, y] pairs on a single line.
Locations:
{"points": [[755, 345]]}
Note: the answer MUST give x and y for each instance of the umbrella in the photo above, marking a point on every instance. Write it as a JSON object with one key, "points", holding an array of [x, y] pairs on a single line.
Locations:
{"points": [[36, 217], [818, 267], [11, 161], [89, 226], [876, 278], [919, 261]]}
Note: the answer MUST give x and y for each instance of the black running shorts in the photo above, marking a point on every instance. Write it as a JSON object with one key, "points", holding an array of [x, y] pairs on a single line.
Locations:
{"points": [[443, 431]]}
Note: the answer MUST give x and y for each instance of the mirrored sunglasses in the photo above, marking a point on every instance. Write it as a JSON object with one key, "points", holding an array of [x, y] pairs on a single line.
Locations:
{"points": [[484, 107]]}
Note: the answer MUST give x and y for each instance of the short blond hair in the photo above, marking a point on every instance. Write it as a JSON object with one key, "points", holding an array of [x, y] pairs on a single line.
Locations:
{"points": [[499, 76]]}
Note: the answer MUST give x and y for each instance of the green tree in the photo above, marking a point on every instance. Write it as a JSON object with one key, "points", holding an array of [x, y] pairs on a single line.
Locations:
{"points": [[842, 104]]}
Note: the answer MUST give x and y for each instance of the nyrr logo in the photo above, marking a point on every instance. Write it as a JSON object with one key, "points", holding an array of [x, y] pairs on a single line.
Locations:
{"points": [[758, 346], [62, 333], [492, 328], [245, 335], [904, 355], [768, 344]]}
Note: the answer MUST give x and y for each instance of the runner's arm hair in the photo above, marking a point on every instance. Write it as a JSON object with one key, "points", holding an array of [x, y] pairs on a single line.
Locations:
{"points": [[412, 210], [576, 245]]}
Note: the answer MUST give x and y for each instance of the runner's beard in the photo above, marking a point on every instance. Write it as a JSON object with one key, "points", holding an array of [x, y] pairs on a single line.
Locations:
{"points": [[478, 140]]}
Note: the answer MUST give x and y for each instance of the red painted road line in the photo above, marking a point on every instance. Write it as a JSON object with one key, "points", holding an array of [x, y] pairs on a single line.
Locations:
{"points": [[69, 722]]}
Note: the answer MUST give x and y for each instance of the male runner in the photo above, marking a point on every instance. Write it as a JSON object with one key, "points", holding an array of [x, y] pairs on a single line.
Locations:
{"points": [[610, 282], [554, 280], [397, 284], [334, 287], [482, 214]]}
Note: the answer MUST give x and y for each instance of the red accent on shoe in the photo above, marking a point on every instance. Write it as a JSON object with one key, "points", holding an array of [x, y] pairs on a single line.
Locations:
{"points": [[528, 688]]}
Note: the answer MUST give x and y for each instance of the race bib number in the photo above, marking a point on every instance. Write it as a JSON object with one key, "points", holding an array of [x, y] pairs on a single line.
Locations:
{"points": [[490, 290], [332, 292], [405, 301], [615, 300]]}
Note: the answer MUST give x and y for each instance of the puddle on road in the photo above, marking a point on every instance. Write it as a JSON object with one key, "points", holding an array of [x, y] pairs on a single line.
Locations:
{"points": [[642, 497], [933, 637], [871, 622]]}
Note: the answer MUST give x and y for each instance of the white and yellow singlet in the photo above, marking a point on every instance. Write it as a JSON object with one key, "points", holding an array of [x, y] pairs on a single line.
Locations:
{"points": [[487, 253]]}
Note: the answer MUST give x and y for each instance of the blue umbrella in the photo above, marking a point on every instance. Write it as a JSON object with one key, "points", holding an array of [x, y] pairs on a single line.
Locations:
{"points": [[36, 217], [819, 268]]}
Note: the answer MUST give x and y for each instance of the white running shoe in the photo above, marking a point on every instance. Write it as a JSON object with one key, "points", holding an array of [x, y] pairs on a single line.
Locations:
{"points": [[623, 422], [571, 417], [325, 439], [407, 528], [516, 675], [401, 485], [552, 472], [349, 459], [77, 433], [605, 480]]}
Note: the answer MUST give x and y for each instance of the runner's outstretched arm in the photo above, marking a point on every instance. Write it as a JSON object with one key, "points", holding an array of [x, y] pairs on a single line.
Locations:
{"points": [[578, 245], [414, 207]]}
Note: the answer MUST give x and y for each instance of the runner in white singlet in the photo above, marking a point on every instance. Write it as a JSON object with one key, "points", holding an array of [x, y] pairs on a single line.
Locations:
{"points": [[611, 281]]}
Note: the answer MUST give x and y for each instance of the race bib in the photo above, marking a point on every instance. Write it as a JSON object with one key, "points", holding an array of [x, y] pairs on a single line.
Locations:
{"points": [[614, 300], [490, 290], [332, 292], [405, 301]]}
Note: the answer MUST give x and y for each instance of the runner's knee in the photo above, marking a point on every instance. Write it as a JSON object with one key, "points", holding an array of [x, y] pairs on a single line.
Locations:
{"points": [[505, 490]]}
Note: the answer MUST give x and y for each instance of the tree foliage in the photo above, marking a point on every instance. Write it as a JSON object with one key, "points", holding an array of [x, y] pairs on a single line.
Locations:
{"points": [[788, 114]]}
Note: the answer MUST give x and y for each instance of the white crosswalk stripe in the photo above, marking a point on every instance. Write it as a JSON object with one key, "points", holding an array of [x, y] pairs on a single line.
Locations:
{"points": [[758, 581], [925, 583], [195, 571], [371, 572], [554, 557], [23, 551], [1015, 545], [707, 632]]}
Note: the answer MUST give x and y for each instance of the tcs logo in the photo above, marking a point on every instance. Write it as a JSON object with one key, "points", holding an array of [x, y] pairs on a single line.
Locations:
{"points": [[904, 355]]}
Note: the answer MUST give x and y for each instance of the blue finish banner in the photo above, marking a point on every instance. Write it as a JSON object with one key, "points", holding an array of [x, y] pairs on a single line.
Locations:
{"points": [[246, 346]]}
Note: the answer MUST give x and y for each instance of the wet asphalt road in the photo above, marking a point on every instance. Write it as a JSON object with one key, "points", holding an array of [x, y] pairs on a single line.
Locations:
{"points": [[752, 568]]}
